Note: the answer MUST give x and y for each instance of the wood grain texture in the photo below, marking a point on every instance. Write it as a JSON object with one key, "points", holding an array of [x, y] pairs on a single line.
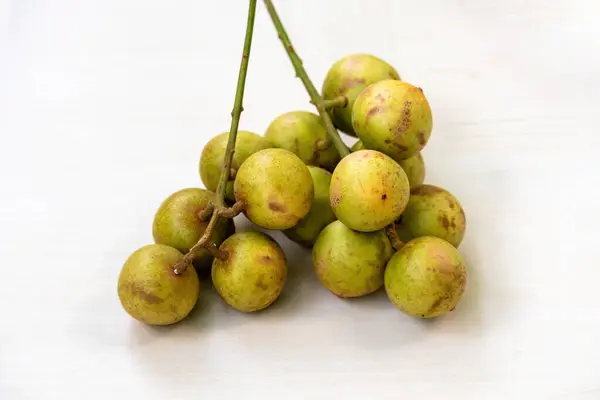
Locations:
{"points": [[106, 105]]}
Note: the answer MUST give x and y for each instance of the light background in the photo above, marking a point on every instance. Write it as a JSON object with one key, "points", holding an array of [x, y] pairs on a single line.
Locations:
{"points": [[106, 105]]}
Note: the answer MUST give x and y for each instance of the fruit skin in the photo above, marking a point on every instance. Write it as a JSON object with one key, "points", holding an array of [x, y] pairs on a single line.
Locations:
{"points": [[150, 292], [433, 211], [276, 187], [350, 263], [177, 223], [348, 77], [254, 273], [413, 166], [415, 169], [393, 117], [213, 155], [303, 133], [320, 215], [368, 191], [426, 278]]}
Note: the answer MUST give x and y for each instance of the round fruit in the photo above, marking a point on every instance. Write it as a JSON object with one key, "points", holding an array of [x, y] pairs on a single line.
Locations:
{"points": [[413, 166], [368, 190], [350, 263], [320, 215], [426, 278], [213, 157], [253, 275], [177, 223], [275, 187], [303, 133], [150, 291], [393, 117], [432, 211], [348, 77]]}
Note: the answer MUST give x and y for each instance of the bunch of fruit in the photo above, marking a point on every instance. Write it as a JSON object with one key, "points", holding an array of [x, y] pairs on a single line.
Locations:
{"points": [[365, 212]]}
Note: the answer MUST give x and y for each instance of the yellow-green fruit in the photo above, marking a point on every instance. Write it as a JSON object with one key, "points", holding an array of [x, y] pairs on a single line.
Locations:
{"points": [[368, 190], [320, 215], [393, 117], [432, 211], [213, 156], [426, 278], [302, 133], [150, 291], [276, 188], [177, 223], [254, 273], [413, 166], [348, 77], [358, 146], [350, 263]]}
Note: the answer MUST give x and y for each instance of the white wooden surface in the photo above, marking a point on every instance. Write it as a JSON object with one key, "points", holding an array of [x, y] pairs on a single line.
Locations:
{"points": [[105, 106]]}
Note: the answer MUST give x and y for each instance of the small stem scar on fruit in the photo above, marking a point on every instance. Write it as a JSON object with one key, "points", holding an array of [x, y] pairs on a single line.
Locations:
{"points": [[220, 208], [315, 97], [390, 230]]}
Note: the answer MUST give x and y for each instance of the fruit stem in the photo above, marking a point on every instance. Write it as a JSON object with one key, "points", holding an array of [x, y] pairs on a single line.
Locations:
{"points": [[338, 102], [216, 252], [206, 213], [390, 230], [315, 97], [232, 211], [219, 205]]}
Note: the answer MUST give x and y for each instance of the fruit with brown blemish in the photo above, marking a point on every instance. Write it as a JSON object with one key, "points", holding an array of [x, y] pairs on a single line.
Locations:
{"points": [[393, 117], [350, 263], [368, 191], [177, 223], [320, 215], [213, 156], [151, 292], [303, 133], [432, 211], [253, 274], [276, 188], [426, 278], [348, 77], [413, 166]]}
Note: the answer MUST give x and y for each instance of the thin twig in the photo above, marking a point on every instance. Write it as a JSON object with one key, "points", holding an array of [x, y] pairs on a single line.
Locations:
{"points": [[233, 211], [184, 263], [205, 214], [315, 97], [216, 252], [338, 102], [390, 230]]}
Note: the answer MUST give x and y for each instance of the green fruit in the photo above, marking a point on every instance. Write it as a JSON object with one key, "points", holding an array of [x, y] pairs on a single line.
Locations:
{"points": [[320, 215], [432, 211], [358, 146], [348, 77], [413, 166], [253, 275], [276, 188], [426, 278], [303, 133], [350, 263], [213, 156], [150, 291], [393, 117], [368, 190], [177, 223]]}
